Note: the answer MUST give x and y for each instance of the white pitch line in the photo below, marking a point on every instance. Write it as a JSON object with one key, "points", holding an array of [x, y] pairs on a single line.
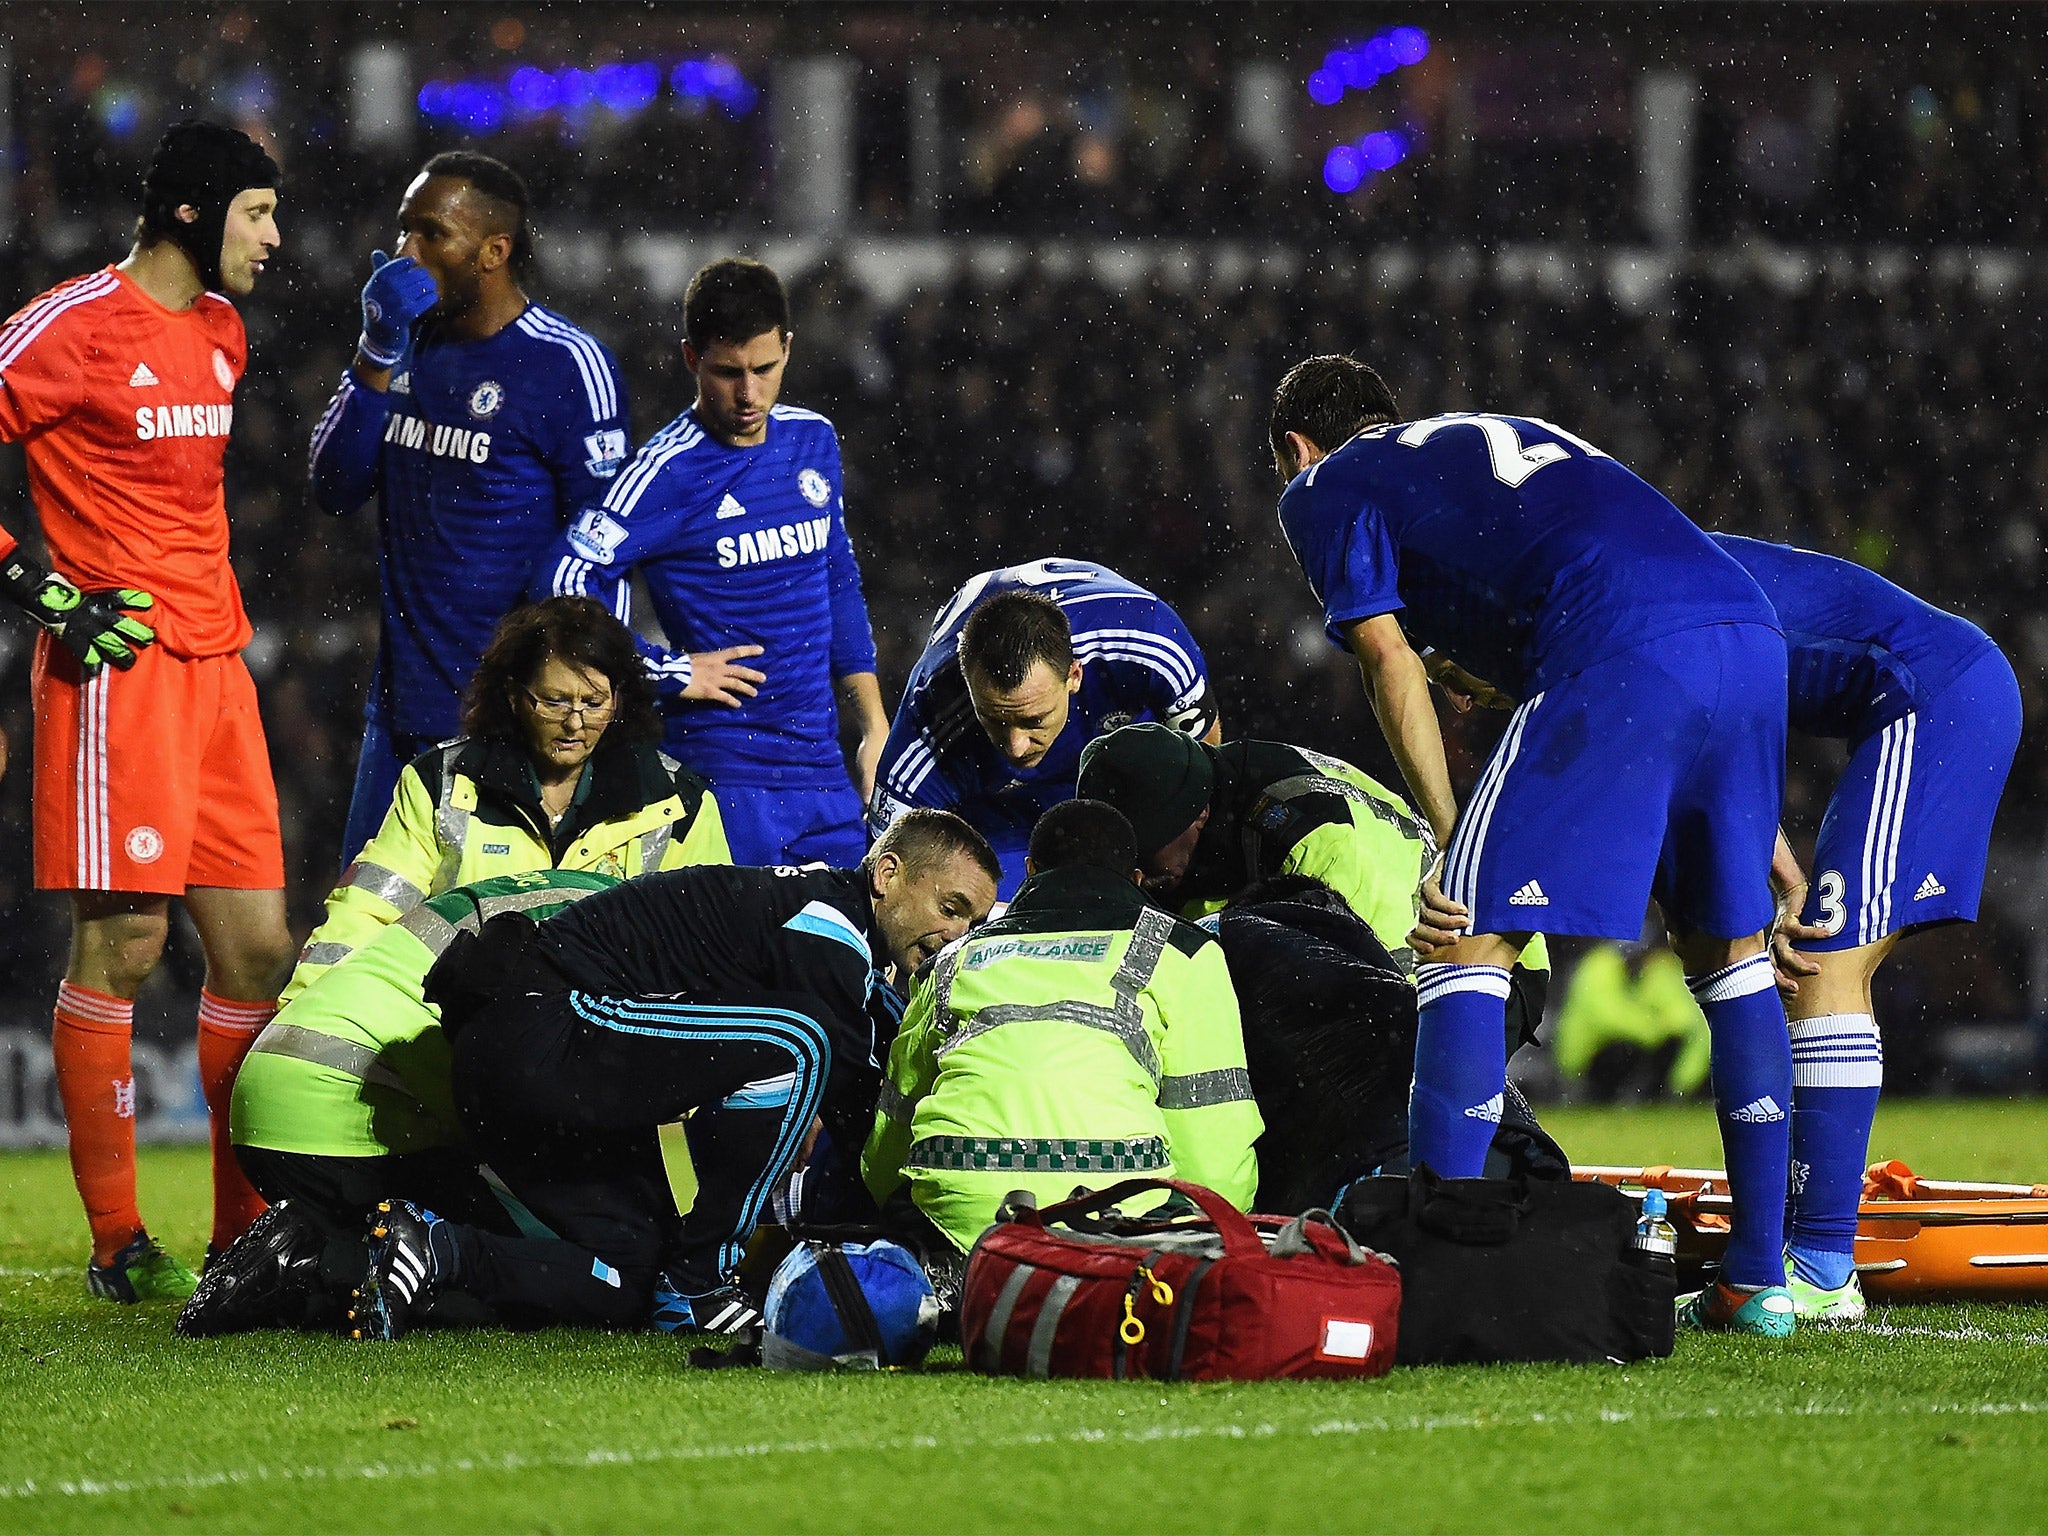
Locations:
{"points": [[1968, 1333], [603, 1457]]}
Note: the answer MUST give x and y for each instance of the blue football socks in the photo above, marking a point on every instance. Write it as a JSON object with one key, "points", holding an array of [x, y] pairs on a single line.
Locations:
{"points": [[1752, 1094], [1461, 1073], [1837, 1071]]}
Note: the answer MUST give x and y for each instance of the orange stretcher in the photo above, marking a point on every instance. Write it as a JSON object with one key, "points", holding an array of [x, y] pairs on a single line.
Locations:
{"points": [[1916, 1239]]}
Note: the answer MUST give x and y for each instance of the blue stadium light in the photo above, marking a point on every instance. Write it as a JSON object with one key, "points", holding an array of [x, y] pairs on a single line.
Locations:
{"points": [[578, 88], [533, 91], [624, 89], [718, 79], [1343, 169], [1362, 67], [1382, 151], [1410, 45]]}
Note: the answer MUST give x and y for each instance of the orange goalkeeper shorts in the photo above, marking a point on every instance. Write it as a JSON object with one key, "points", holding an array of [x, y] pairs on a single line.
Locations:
{"points": [[153, 779]]}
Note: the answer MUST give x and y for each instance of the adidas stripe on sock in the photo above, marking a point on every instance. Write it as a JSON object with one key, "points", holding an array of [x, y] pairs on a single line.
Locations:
{"points": [[1752, 1074], [1455, 1101]]}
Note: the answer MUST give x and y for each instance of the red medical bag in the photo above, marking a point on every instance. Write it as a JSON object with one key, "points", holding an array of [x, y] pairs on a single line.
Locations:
{"points": [[1219, 1296]]}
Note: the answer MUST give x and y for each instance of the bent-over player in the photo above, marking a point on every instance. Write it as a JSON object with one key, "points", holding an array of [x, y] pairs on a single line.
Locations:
{"points": [[1647, 755], [1023, 668], [1931, 712]]}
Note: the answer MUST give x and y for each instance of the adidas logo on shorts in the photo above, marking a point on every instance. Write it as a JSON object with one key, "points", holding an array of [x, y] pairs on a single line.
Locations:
{"points": [[1758, 1112], [1530, 895], [1930, 887]]}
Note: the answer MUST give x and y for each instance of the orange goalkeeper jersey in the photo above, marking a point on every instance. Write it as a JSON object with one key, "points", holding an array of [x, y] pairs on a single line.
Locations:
{"points": [[124, 407]]}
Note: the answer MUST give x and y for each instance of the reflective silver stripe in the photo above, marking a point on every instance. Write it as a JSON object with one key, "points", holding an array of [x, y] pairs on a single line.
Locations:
{"points": [[892, 1104], [942, 988], [344, 1056], [434, 930], [386, 885], [326, 952], [1038, 1354], [999, 1318], [522, 901], [1329, 784], [1148, 943], [654, 845], [451, 823], [1125, 1020], [1199, 1090]]}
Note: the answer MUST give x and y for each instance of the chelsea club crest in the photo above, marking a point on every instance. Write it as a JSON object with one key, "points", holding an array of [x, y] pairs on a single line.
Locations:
{"points": [[485, 399], [816, 488]]}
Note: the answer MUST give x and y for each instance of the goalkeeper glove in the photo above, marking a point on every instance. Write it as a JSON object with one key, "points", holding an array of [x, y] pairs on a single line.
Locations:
{"points": [[95, 627], [398, 293]]}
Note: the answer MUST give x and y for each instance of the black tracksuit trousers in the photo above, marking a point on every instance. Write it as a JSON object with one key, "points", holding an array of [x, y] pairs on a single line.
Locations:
{"points": [[564, 1094]]}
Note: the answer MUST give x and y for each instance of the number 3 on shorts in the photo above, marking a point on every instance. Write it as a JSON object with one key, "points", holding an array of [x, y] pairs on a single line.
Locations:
{"points": [[1832, 913]]}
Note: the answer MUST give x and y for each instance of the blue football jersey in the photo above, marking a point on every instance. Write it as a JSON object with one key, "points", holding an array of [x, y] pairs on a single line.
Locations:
{"points": [[479, 453], [738, 546], [1138, 662], [1862, 651], [1520, 551]]}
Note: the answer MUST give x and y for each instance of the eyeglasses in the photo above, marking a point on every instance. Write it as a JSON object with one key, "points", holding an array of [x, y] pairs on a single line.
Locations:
{"points": [[593, 711]]}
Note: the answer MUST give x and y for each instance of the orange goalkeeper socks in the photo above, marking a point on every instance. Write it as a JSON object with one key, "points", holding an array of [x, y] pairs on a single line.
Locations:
{"points": [[226, 1031], [89, 1039]]}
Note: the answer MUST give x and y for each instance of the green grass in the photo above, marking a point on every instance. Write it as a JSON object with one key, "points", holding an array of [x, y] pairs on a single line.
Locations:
{"points": [[1936, 1415]]}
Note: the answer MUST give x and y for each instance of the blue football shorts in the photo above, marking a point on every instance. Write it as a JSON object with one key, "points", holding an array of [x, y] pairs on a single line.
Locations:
{"points": [[793, 824], [1906, 833], [1656, 772]]}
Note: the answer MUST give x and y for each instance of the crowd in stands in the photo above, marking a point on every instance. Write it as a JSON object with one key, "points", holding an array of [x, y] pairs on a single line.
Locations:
{"points": [[1881, 409]]}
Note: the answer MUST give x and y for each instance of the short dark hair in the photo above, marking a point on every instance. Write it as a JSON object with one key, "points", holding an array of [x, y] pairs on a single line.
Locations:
{"points": [[1006, 633], [1090, 833], [498, 182], [578, 630], [922, 837], [734, 299], [1329, 400]]}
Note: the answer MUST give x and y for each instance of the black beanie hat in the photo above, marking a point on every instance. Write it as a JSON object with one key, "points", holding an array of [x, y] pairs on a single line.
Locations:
{"points": [[208, 166], [1158, 777]]}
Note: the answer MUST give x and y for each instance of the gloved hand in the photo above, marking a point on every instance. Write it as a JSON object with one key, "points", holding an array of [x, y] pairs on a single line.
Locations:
{"points": [[398, 293], [96, 627]]}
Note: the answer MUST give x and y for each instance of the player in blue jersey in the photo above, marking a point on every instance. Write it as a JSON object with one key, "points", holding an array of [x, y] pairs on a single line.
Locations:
{"points": [[1024, 667], [482, 422], [735, 515], [1646, 755], [1930, 710]]}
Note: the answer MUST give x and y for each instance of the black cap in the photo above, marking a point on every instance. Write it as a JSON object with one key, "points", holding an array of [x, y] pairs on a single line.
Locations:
{"points": [[207, 166], [1158, 777]]}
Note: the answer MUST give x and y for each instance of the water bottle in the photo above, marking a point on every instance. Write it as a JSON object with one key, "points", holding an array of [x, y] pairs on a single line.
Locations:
{"points": [[1656, 1238]]}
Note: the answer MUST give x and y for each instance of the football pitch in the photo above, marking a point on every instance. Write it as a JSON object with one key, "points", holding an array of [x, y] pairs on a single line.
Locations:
{"points": [[1932, 1416]]}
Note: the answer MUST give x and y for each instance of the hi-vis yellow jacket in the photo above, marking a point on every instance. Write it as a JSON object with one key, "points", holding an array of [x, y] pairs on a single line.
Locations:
{"points": [[1079, 1039], [470, 809]]}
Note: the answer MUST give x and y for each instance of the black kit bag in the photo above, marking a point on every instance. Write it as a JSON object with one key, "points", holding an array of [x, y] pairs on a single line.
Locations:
{"points": [[1514, 1269]]}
